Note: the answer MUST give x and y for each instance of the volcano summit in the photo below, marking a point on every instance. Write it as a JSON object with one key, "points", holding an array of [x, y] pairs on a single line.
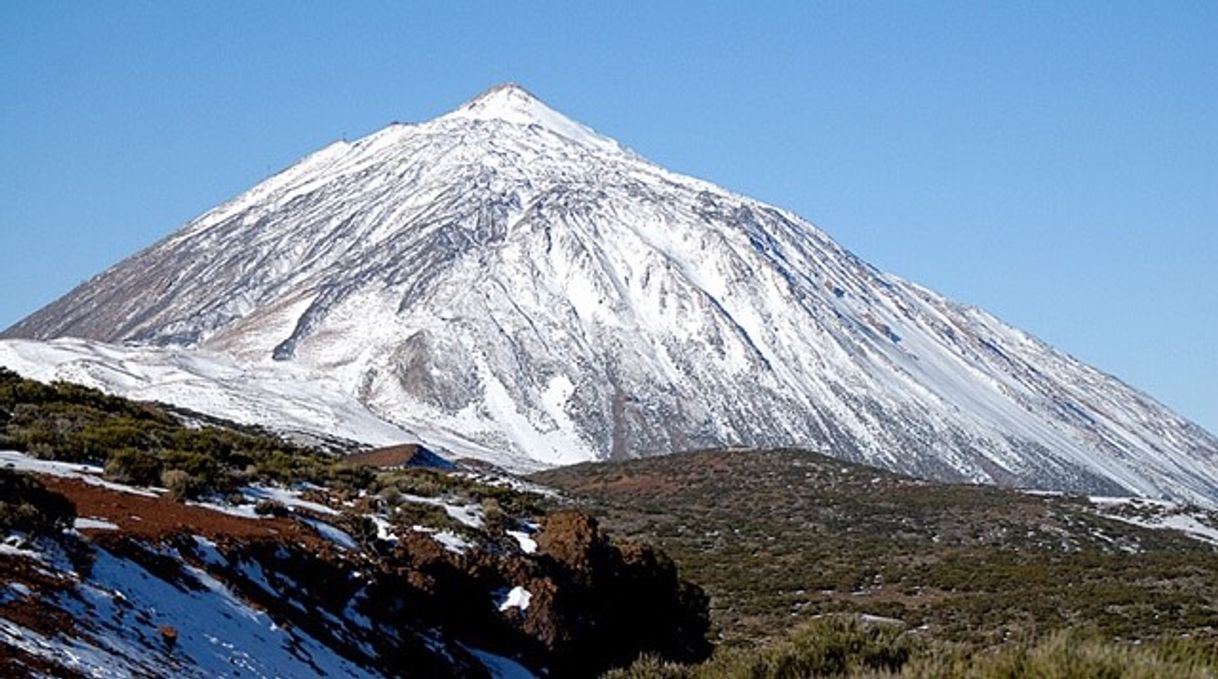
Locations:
{"points": [[503, 278]]}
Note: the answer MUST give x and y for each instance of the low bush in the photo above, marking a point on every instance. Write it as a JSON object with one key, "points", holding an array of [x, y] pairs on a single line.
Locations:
{"points": [[410, 514], [847, 648], [133, 467], [270, 508], [180, 484], [26, 505]]}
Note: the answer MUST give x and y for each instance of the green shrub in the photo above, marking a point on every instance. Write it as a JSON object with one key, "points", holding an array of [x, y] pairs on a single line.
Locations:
{"points": [[134, 467], [496, 520], [823, 647], [652, 667], [96, 441], [845, 648], [280, 466], [26, 505], [206, 473], [180, 484], [345, 477], [390, 496], [417, 481], [1065, 655], [422, 514]]}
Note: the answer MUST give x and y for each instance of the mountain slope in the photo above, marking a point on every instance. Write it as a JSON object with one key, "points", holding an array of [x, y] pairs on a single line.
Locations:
{"points": [[505, 275]]}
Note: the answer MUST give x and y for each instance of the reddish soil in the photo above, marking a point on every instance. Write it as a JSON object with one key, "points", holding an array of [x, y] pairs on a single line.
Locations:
{"points": [[392, 456], [158, 517]]}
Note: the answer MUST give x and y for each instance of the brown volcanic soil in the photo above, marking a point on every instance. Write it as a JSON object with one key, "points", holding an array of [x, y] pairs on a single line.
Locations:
{"points": [[391, 456], [155, 518]]}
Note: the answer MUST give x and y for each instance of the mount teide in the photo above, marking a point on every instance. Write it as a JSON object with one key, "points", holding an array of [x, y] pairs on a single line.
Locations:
{"points": [[505, 277]]}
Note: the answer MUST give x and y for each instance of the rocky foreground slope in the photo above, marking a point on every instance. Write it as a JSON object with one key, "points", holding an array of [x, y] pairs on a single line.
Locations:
{"points": [[503, 279], [131, 545]]}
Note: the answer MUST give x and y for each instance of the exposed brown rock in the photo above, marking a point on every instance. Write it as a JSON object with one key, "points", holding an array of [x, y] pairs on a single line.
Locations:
{"points": [[392, 456], [593, 605]]}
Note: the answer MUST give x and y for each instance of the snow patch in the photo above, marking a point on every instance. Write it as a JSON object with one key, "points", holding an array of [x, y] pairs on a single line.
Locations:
{"points": [[517, 597], [336, 535], [1193, 522], [87, 523], [527, 544]]}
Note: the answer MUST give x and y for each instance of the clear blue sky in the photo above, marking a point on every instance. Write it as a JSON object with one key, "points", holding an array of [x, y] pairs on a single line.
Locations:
{"points": [[1055, 163]]}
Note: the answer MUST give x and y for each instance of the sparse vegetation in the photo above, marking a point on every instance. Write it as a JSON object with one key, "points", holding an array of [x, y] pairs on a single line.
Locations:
{"points": [[845, 647], [779, 537], [426, 482]]}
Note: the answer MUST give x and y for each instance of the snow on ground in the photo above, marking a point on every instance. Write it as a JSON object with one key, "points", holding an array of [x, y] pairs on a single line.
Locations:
{"points": [[218, 631], [280, 395], [15, 547], [288, 497], [69, 653], [500, 667], [338, 536], [511, 482], [206, 382], [1192, 527], [86, 523], [46, 552], [527, 544], [450, 540], [1159, 515], [468, 514], [1042, 493], [244, 511], [1105, 501], [517, 597], [384, 529], [126, 607], [12, 591]]}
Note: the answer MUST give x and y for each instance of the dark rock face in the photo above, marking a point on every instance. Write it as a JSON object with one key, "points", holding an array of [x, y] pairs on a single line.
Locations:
{"points": [[605, 603], [594, 604]]}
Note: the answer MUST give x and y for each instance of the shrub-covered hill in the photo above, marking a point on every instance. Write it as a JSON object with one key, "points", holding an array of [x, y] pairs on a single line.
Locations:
{"points": [[139, 541], [778, 537], [141, 442]]}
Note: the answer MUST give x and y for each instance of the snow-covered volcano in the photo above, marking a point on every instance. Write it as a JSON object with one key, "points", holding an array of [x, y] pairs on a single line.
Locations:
{"points": [[506, 276]]}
